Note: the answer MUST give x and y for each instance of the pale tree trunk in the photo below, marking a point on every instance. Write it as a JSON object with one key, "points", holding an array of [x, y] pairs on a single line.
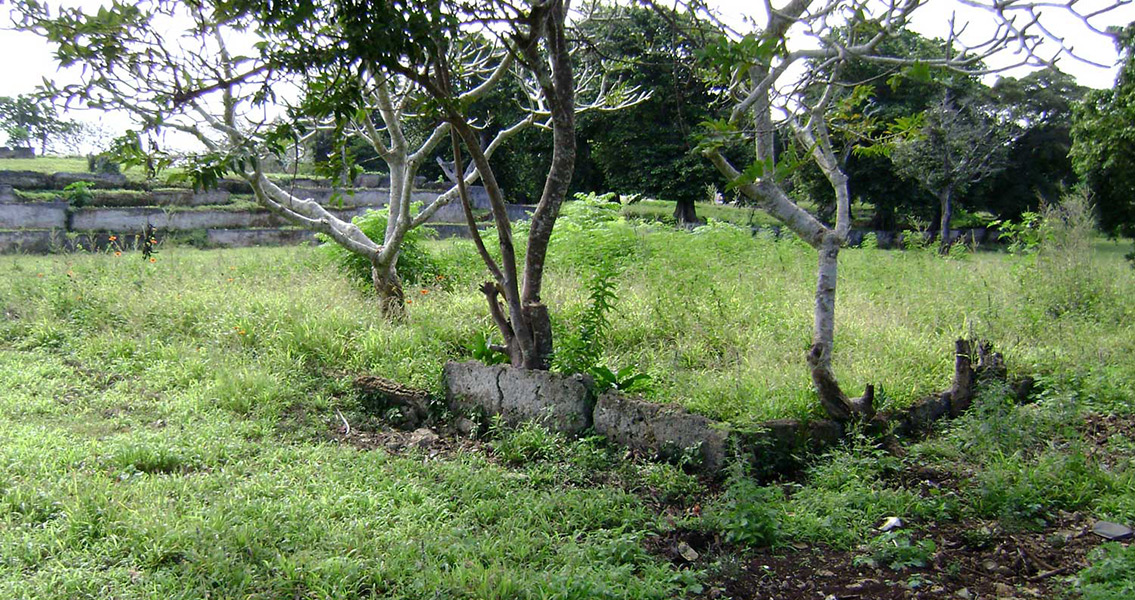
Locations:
{"points": [[388, 286], [945, 199]]}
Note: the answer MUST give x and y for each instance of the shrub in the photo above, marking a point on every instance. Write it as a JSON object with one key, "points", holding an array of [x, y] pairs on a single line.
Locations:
{"points": [[415, 265]]}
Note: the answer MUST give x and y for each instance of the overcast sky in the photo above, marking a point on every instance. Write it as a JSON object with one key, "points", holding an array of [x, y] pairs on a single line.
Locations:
{"points": [[27, 59]]}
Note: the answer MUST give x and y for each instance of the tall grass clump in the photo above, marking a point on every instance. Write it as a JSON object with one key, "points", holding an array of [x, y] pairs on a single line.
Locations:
{"points": [[1063, 278]]}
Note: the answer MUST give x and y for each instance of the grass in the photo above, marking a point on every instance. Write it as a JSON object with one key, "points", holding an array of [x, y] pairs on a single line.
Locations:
{"points": [[164, 425], [45, 164]]}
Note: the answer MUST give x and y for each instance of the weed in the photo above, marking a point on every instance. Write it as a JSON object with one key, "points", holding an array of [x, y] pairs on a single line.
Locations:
{"points": [[1110, 574], [896, 551], [747, 514]]}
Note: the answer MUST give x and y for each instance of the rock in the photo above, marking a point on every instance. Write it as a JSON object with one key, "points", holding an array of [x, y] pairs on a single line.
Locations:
{"points": [[990, 566], [465, 427], [964, 594], [1003, 591], [686, 552], [891, 524], [825, 573], [422, 438], [663, 430], [1112, 531]]}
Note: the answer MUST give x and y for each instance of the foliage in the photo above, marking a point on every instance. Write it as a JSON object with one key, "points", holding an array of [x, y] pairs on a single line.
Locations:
{"points": [[896, 551], [103, 163], [747, 514], [1102, 150], [26, 119], [482, 350], [581, 352], [78, 194], [1110, 574], [415, 266], [625, 379], [1062, 277]]}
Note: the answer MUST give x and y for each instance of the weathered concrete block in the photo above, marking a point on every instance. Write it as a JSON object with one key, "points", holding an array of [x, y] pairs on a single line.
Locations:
{"points": [[660, 429], [560, 403], [37, 215], [6, 193], [473, 386], [36, 241], [244, 238], [98, 180], [25, 180]]}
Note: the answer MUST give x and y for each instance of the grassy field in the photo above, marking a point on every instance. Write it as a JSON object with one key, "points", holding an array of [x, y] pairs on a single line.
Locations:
{"points": [[166, 427]]}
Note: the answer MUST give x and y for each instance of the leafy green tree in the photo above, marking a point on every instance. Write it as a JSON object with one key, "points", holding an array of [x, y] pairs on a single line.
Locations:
{"points": [[26, 119], [960, 144], [1037, 165], [649, 148], [1103, 143]]}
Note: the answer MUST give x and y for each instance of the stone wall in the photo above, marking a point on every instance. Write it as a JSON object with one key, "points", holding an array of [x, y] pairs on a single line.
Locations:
{"points": [[570, 405], [216, 218]]}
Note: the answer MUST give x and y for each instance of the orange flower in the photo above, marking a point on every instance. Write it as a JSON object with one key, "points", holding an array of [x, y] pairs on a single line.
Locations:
{"points": [[230, 279], [153, 240], [118, 253], [152, 259], [113, 238], [409, 302], [425, 291]]}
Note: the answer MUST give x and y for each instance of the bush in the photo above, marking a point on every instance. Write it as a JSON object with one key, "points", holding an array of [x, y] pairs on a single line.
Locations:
{"points": [[415, 265]]}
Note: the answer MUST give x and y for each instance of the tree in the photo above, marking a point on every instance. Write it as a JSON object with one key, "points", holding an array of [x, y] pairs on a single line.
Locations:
{"points": [[960, 144], [648, 148], [766, 76], [1103, 143], [26, 119], [360, 80], [1037, 165]]}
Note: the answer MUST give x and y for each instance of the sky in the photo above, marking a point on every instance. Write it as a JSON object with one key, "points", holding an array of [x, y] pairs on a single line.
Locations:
{"points": [[27, 59]]}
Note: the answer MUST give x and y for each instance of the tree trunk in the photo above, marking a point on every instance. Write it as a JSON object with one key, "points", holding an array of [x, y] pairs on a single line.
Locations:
{"points": [[947, 207], [388, 286], [685, 213], [832, 398]]}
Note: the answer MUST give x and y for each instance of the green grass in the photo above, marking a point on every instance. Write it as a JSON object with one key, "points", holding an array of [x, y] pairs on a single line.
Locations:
{"points": [[45, 164], [163, 426]]}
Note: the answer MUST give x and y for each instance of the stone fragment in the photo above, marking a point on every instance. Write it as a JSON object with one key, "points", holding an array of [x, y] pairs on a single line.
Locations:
{"points": [[686, 552], [964, 594], [891, 524], [1112, 531], [422, 438], [465, 427]]}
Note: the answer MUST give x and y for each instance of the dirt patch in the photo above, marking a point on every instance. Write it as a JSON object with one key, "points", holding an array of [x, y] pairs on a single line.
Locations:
{"points": [[973, 559]]}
